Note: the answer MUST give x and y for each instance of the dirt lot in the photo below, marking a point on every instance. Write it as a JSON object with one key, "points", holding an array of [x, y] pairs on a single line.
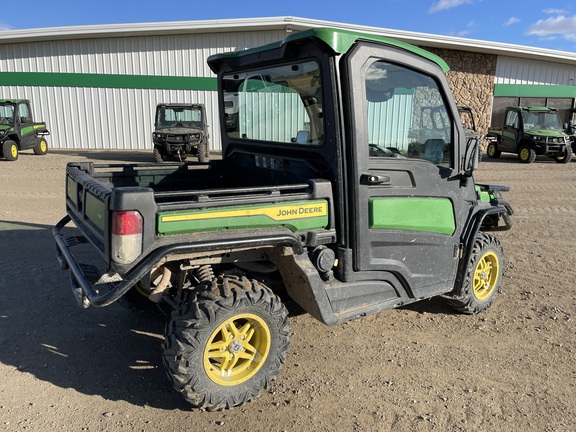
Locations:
{"points": [[416, 369]]}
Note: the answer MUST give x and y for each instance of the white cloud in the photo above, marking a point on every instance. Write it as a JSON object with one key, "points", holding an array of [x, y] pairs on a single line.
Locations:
{"points": [[511, 21], [447, 4], [560, 25], [4, 27], [554, 11]]}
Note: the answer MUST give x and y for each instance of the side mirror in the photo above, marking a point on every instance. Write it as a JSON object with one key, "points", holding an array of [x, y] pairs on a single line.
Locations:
{"points": [[471, 156], [302, 137]]}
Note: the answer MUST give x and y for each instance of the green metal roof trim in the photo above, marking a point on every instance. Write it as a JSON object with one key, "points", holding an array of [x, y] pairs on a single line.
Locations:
{"points": [[13, 101], [535, 90], [55, 79], [340, 41]]}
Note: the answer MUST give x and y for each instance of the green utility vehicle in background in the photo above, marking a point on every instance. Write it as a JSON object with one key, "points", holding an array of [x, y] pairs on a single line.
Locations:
{"points": [[332, 194], [529, 132], [180, 130], [18, 131], [570, 128]]}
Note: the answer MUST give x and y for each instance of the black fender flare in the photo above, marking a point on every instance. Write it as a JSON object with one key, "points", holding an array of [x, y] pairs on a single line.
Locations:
{"points": [[468, 241]]}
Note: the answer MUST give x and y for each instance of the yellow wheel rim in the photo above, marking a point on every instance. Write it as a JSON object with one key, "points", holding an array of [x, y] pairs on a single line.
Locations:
{"points": [[43, 146], [237, 349], [486, 275], [524, 154], [490, 150], [14, 150]]}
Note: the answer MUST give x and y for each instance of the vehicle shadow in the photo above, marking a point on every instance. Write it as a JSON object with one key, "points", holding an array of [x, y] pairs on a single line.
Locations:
{"points": [[512, 158], [130, 156], [112, 352], [127, 156]]}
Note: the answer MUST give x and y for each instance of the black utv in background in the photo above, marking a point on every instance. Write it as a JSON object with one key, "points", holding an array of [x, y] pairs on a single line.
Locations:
{"points": [[180, 130]]}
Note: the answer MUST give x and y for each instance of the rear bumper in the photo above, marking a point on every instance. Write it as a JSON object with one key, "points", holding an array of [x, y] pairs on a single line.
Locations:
{"points": [[95, 287], [89, 285]]}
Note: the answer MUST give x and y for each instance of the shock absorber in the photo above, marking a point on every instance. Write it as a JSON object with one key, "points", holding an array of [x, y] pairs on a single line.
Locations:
{"points": [[204, 274]]}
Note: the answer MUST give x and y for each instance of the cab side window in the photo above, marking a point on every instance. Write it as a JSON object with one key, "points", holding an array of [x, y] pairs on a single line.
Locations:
{"points": [[512, 119], [24, 113], [407, 115]]}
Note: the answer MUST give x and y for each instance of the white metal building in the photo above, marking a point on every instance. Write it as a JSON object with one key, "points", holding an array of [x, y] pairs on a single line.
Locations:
{"points": [[97, 86]]}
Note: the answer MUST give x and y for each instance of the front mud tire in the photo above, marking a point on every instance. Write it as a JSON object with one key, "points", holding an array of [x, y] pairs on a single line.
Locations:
{"points": [[484, 273], [492, 150], [566, 156], [158, 156], [203, 153], [526, 154], [225, 344]]}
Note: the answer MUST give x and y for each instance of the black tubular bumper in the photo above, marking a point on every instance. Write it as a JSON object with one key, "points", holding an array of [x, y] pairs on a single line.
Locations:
{"points": [[85, 289], [97, 288]]}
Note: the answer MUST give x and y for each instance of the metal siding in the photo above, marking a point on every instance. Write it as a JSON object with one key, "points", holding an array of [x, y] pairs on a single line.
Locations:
{"points": [[511, 70], [389, 123], [112, 118]]}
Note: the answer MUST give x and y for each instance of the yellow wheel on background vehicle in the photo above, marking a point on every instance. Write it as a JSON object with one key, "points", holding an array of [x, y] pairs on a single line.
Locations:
{"points": [[492, 150], [237, 349], [486, 275], [10, 150], [41, 147], [526, 154]]}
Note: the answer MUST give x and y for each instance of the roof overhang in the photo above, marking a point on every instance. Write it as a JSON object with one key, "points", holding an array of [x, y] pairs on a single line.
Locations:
{"points": [[287, 24]]}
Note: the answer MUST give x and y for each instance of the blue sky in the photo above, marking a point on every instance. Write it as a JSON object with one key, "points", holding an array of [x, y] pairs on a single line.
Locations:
{"points": [[539, 23]]}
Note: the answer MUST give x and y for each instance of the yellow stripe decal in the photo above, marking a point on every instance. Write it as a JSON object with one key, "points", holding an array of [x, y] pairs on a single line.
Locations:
{"points": [[278, 213]]}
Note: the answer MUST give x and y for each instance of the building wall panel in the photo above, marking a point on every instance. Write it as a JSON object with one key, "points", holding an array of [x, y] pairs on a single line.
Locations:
{"points": [[512, 70], [119, 118]]}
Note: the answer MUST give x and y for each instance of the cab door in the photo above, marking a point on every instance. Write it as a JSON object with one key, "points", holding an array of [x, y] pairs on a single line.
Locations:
{"points": [[410, 204], [510, 131], [26, 125]]}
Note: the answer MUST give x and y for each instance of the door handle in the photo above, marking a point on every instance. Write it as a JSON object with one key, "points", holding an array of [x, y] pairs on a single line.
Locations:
{"points": [[374, 179]]}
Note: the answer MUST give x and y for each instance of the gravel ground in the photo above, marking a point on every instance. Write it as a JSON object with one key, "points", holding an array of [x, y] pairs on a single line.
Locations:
{"points": [[419, 368]]}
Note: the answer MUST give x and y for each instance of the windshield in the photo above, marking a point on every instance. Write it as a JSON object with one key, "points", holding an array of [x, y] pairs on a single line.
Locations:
{"points": [[541, 120], [187, 117], [6, 114], [281, 104]]}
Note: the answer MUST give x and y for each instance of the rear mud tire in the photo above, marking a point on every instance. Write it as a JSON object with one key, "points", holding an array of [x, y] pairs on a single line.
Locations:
{"points": [[225, 344], [484, 273], [41, 147], [10, 150], [526, 154], [492, 151]]}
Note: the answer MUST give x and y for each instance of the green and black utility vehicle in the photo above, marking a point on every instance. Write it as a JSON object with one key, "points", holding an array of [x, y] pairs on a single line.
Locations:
{"points": [[570, 128], [180, 130], [332, 196], [18, 131], [529, 132]]}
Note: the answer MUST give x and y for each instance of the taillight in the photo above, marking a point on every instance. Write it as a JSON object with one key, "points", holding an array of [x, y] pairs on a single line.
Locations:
{"points": [[126, 236]]}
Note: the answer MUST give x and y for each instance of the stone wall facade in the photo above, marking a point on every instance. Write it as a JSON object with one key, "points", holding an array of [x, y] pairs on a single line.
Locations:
{"points": [[471, 78]]}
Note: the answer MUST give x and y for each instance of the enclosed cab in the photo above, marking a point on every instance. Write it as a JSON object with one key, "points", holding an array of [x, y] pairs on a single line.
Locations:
{"points": [[345, 188], [529, 132]]}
